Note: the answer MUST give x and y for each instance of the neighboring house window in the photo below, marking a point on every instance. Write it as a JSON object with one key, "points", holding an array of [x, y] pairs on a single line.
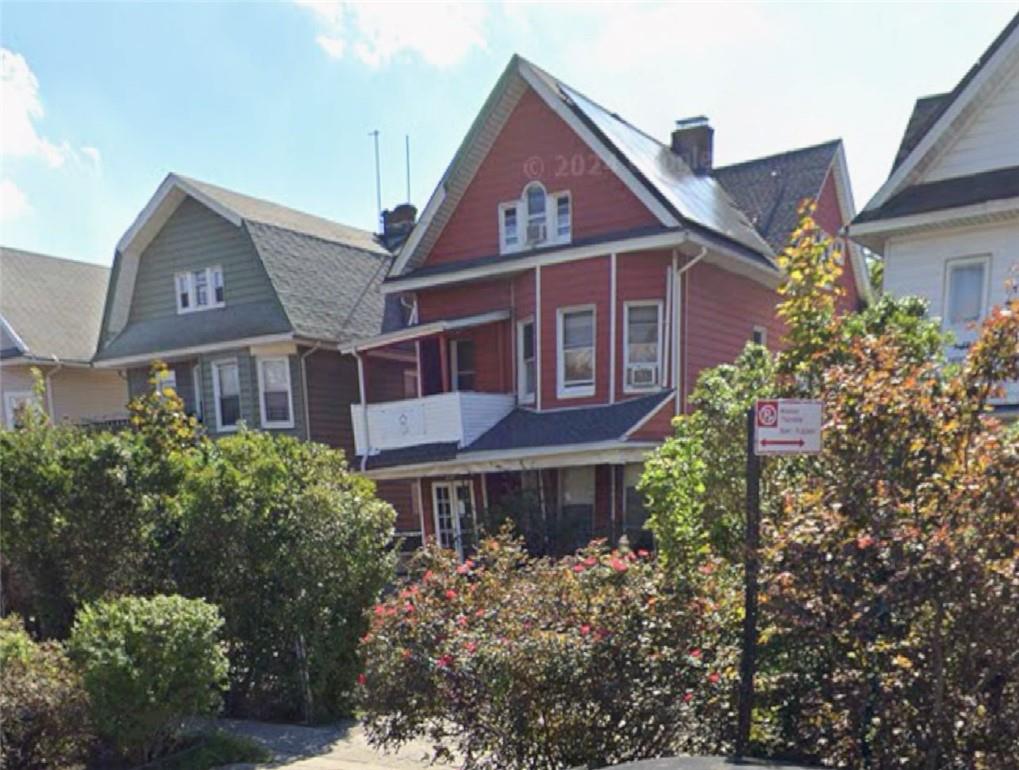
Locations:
{"points": [[167, 378], [643, 345], [509, 227], [276, 394], [226, 386], [199, 289], [537, 218], [196, 381], [965, 297], [14, 402], [575, 359], [526, 362], [462, 364], [759, 335]]}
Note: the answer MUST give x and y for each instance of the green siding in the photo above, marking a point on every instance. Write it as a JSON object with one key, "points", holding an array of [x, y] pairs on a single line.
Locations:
{"points": [[248, 376], [195, 237]]}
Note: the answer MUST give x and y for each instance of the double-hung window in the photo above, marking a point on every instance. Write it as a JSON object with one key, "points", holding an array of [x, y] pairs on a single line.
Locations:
{"points": [[199, 289], [643, 346], [575, 353], [275, 393], [537, 218], [462, 364], [527, 375], [563, 223], [226, 386], [509, 228]]}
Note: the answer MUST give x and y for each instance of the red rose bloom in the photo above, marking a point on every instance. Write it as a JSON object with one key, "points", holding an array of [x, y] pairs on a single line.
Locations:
{"points": [[585, 630], [687, 697], [450, 594], [618, 564], [714, 677], [695, 653], [445, 661], [362, 680]]}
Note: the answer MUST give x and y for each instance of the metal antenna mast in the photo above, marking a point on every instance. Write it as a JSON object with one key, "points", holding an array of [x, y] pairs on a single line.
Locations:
{"points": [[378, 175]]}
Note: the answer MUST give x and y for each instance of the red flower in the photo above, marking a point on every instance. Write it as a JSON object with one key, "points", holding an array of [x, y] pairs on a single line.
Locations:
{"points": [[864, 541], [585, 630], [590, 561], [714, 677], [461, 620], [362, 680], [450, 594], [471, 647], [618, 564], [427, 576], [444, 661], [643, 553], [380, 610], [687, 697], [695, 653], [479, 612], [408, 608], [578, 567], [464, 568]]}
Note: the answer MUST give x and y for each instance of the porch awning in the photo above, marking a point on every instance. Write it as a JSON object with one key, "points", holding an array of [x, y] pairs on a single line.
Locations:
{"points": [[419, 331]]}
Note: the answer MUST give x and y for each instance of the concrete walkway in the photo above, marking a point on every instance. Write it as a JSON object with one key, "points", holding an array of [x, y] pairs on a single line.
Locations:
{"points": [[342, 746]]}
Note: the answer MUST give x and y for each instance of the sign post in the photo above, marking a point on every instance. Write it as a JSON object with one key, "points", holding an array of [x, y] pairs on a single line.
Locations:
{"points": [[780, 426]]}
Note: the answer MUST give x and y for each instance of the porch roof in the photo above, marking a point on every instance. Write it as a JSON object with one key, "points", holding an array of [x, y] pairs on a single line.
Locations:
{"points": [[419, 331]]}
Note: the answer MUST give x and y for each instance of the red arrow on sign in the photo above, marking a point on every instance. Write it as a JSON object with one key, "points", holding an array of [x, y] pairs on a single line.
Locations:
{"points": [[776, 442]]}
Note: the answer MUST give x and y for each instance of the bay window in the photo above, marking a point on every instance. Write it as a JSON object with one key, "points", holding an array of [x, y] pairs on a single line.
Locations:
{"points": [[275, 393], [575, 352]]}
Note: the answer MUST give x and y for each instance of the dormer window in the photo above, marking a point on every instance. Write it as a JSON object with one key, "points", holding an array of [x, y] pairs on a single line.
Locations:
{"points": [[536, 219], [199, 289]]}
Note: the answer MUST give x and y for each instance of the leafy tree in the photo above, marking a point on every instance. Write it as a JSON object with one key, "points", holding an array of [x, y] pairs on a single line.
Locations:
{"points": [[512, 661], [293, 548], [147, 665]]}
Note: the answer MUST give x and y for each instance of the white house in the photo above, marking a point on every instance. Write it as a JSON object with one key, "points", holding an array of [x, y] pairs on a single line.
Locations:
{"points": [[947, 219]]}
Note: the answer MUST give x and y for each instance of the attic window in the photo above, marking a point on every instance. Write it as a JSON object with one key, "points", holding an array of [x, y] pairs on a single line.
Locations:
{"points": [[537, 218], [200, 289]]}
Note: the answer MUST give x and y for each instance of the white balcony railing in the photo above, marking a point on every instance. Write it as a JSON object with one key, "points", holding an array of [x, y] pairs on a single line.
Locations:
{"points": [[461, 417]]}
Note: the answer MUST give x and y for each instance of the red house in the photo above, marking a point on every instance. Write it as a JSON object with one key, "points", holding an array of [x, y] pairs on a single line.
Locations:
{"points": [[566, 283]]}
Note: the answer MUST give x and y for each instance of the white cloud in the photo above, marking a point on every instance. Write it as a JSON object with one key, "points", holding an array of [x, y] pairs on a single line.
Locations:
{"points": [[22, 108], [442, 34], [94, 157], [13, 203]]}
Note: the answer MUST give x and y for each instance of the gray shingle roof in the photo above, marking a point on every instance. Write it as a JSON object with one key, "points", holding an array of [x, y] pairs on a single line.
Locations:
{"points": [[770, 189], [54, 305]]}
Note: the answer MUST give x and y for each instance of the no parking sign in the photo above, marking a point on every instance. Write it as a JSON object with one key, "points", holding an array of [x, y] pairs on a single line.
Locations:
{"points": [[785, 426]]}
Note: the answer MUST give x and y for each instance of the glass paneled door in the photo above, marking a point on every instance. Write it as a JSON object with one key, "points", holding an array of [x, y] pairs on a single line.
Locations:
{"points": [[453, 504]]}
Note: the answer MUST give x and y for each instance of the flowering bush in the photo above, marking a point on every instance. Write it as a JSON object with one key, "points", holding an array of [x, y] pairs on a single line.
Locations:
{"points": [[512, 661]]}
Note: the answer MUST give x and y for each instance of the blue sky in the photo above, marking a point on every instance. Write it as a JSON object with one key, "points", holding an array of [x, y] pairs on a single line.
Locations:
{"points": [[276, 99]]}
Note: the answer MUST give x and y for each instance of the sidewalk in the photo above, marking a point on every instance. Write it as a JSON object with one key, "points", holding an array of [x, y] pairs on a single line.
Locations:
{"points": [[342, 746]]}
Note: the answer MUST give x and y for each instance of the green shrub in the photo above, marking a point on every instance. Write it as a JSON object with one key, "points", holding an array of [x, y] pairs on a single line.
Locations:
{"points": [[147, 664], [44, 715], [293, 548], [511, 661]]}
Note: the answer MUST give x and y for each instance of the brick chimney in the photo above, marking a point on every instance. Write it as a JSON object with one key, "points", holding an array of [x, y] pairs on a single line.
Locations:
{"points": [[397, 224], [693, 141]]}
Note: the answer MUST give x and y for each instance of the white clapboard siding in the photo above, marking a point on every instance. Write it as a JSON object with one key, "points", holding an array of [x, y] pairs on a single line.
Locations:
{"points": [[991, 139]]}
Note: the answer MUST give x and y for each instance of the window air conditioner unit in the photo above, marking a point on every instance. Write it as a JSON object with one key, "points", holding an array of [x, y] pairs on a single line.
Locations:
{"points": [[535, 233], [642, 375]]}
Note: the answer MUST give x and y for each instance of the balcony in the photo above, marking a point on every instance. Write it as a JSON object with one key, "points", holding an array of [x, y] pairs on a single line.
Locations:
{"points": [[459, 417]]}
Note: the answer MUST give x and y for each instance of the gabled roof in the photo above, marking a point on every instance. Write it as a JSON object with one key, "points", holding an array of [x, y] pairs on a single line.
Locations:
{"points": [[53, 306], [936, 117], [770, 189], [651, 170], [325, 274]]}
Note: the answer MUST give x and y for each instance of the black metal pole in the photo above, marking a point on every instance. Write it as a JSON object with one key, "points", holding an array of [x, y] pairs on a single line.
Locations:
{"points": [[748, 659]]}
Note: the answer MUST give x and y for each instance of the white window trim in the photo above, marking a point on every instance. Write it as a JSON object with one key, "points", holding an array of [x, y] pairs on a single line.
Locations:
{"points": [[274, 424], [220, 428], [526, 398], [552, 237], [454, 363], [627, 306], [564, 390], [950, 265], [763, 332], [193, 307]]}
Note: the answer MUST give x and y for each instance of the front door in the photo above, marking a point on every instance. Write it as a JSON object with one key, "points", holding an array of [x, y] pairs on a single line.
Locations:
{"points": [[453, 503]]}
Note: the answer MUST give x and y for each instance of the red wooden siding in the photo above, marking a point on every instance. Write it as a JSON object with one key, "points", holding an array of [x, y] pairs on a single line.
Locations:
{"points": [[720, 310], [536, 144], [829, 217], [640, 276], [463, 300], [397, 493], [659, 427]]}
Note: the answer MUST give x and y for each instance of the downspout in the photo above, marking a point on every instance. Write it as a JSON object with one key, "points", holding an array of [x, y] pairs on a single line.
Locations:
{"points": [[304, 387], [49, 387], [677, 322], [364, 410], [612, 328]]}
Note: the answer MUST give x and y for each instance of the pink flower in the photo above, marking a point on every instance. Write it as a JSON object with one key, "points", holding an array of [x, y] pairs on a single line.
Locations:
{"points": [[643, 553], [380, 610], [479, 612], [687, 697], [864, 541], [714, 677], [471, 647], [590, 561], [427, 576], [461, 620], [695, 653], [444, 661], [465, 568], [618, 564], [450, 594], [578, 567], [585, 630], [362, 680]]}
